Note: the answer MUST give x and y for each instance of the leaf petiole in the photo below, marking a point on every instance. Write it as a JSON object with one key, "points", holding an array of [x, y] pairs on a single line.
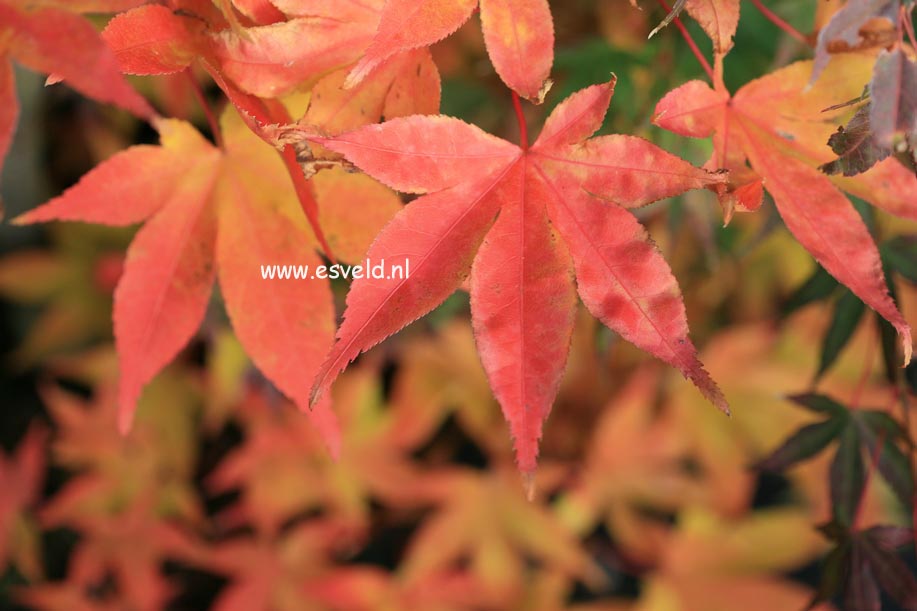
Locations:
{"points": [[523, 128]]}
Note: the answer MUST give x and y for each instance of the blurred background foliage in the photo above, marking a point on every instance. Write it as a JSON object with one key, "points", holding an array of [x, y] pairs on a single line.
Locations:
{"points": [[223, 496]]}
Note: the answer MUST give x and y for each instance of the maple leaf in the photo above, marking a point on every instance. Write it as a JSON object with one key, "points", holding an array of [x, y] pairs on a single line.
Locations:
{"points": [[633, 464], [519, 35], [21, 478], [271, 60], [73, 283], [846, 28], [130, 546], [405, 84], [779, 126], [283, 472], [92, 6], [364, 588], [864, 561], [735, 558], [521, 220], [208, 212], [490, 526], [893, 108], [125, 492], [441, 375], [314, 37], [718, 18], [856, 146], [855, 431], [156, 460], [49, 37], [261, 12], [272, 572]]}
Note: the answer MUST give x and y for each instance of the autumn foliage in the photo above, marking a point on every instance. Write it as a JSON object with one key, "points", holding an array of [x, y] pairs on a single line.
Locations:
{"points": [[474, 434]]}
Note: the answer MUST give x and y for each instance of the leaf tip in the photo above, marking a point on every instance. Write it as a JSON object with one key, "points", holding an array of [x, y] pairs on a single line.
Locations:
{"points": [[528, 485], [715, 396], [323, 418], [612, 82], [542, 93], [315, 395], [125, 417], [360, 72], [22, 219]]}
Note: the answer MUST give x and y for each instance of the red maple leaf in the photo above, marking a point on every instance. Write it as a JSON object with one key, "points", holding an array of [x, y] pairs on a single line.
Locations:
{"points": [[22, 476], [519, 35], [523, 221], [212, 212], [50, 37], [316, 38], [780, 127]]}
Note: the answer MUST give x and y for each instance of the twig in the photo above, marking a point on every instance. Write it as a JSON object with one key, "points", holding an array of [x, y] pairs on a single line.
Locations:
{"points": [[693, 45], [780, 23], [205, 106], [523, 129]]}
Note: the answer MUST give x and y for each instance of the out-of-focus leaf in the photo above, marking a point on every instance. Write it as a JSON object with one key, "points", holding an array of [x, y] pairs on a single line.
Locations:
{"points": [[892, 574], [632, 468], [832, 575], [820, 285], [893, 90], [818, 403], [856, 431], [889, 346], [862, 562], [805, 443], [888, 343], [843, 31], [889, 538], [485, 520], [880, 423], [732, 559], [847, 314], [894, 465], [862, 589], [848, 477], [21, 478], [901, 255], [896, 469]]}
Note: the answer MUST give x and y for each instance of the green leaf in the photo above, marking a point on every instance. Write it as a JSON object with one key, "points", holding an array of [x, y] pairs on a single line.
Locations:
{"points": [[847, 314], [901, 255], [892, 573], [880, 423], [888, 338], [862, 590], [896, 470], [832, 575], [848, 476], [894, 465], [804, 443], [820, 404], [819, 286]]}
